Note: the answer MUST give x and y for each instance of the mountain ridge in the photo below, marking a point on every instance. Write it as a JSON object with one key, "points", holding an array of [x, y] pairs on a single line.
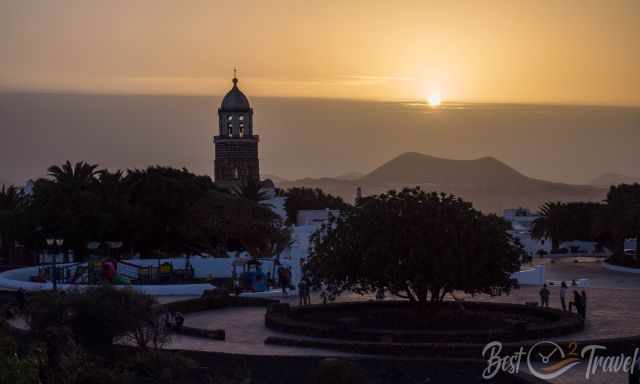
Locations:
{"points": [[487, 182], [608, 179]]}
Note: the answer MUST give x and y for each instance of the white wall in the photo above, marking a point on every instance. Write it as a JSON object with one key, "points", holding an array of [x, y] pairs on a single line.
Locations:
{"points": [[530, 276]]}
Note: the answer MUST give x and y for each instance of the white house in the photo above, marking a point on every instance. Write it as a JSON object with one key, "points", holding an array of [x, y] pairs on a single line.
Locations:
{"points": [[315, 216], [522, 220]]}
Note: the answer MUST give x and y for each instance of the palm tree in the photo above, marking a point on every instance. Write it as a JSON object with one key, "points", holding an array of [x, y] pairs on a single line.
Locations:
{"points": [[551, 224], [67, 204], [76, 176], [251, 190]]}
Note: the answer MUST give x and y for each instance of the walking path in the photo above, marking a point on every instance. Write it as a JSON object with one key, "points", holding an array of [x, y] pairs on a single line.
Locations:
{"points": [[613, 310]]}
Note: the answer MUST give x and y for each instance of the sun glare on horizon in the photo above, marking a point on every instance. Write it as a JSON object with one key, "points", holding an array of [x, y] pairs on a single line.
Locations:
{"points": [[434, 100]]}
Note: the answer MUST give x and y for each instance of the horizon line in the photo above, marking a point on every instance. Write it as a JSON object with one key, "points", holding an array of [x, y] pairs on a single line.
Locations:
{"points": [[88, 92]]}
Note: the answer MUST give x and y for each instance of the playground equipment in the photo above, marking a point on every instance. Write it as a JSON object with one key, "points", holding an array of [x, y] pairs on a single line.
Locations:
{"points": [[252, 278]]}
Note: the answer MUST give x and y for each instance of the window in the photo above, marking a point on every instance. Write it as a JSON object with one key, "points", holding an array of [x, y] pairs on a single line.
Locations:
{"points": [[230, 129], [241, 118], [230, 117], [235, 173], [241, 129]]}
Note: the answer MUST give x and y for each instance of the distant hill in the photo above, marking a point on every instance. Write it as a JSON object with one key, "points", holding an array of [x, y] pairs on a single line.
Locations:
{"points": [[350, 176], [609, 179], [275, 178], [489, 184]]}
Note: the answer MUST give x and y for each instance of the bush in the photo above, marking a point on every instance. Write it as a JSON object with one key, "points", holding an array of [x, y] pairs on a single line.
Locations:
{"points": [[14, 368], [98, 316]]}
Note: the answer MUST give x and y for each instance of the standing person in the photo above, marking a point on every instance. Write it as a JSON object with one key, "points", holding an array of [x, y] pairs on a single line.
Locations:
{"points": [[577, 302], [544, 296], [563, 295], [21, 299], [282, 279], [178, 319], [584, 304], [307, 293], [290, 278], [302, 298]]}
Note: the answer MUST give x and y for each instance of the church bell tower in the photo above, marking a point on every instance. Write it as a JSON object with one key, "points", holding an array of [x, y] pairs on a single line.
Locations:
{"points": [[236, 147]]}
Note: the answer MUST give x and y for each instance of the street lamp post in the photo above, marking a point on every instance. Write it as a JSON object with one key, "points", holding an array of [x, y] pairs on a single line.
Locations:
{"points": [[55, 245]]}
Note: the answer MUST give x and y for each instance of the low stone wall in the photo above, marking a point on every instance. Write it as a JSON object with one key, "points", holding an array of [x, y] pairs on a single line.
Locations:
{"points": [[618, 268], [613, 347], [283, 318], [217, 302], [215, 334]]}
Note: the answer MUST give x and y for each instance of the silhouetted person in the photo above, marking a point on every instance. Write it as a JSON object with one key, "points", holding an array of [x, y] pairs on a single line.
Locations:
{"points": [[21, 299], [544, 296], [283, 280], [563, 295], [578, 303], [307, 293], [178, 320], [584, 304], [302, 292]]}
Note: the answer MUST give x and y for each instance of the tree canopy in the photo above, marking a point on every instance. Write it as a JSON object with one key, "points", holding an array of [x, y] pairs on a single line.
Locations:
{"points": [[560, 221], [415, 244], [157, 211], [309, 198], [609, 223]]}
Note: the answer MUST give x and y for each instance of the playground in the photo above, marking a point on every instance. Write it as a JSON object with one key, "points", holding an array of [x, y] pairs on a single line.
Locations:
{"points": [[185, 276]]}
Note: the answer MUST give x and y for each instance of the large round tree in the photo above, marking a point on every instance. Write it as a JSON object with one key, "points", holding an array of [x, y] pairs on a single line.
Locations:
{"points": [[415, 244]]}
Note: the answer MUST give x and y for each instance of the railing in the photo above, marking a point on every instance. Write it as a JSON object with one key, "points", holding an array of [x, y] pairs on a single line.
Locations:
{"points": [[129, 270]]}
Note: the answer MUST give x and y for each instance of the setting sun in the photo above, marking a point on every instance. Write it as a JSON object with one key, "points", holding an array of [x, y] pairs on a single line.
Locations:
{"points": [[434, 100]]}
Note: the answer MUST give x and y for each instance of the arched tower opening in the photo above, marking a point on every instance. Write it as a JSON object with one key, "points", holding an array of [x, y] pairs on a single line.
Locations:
{"points": [[236, 147]]}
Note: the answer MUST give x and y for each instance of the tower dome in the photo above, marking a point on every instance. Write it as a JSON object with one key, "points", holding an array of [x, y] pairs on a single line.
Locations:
{"points": [[235, 100], [236, 147]]}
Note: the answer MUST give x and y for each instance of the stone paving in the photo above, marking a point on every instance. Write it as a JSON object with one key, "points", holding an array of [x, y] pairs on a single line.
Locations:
{"points": [[613, 310]]}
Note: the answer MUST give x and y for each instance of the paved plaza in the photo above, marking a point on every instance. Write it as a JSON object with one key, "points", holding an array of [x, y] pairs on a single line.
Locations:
{"points": [[613, 310]]}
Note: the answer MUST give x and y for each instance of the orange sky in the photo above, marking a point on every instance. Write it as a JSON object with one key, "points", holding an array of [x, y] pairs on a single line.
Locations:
{"points": [[568, 51]]}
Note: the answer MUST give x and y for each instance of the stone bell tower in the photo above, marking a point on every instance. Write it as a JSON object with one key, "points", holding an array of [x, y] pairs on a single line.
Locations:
{"points": [[236, 147]]}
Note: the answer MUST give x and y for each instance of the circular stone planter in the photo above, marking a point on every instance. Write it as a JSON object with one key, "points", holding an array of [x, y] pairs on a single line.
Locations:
{"points": [[402, 322], [619, 268]]}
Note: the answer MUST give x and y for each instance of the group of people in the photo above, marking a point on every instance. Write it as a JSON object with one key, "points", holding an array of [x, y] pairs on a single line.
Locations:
{"points": [[579, 298], [285, 282]]}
